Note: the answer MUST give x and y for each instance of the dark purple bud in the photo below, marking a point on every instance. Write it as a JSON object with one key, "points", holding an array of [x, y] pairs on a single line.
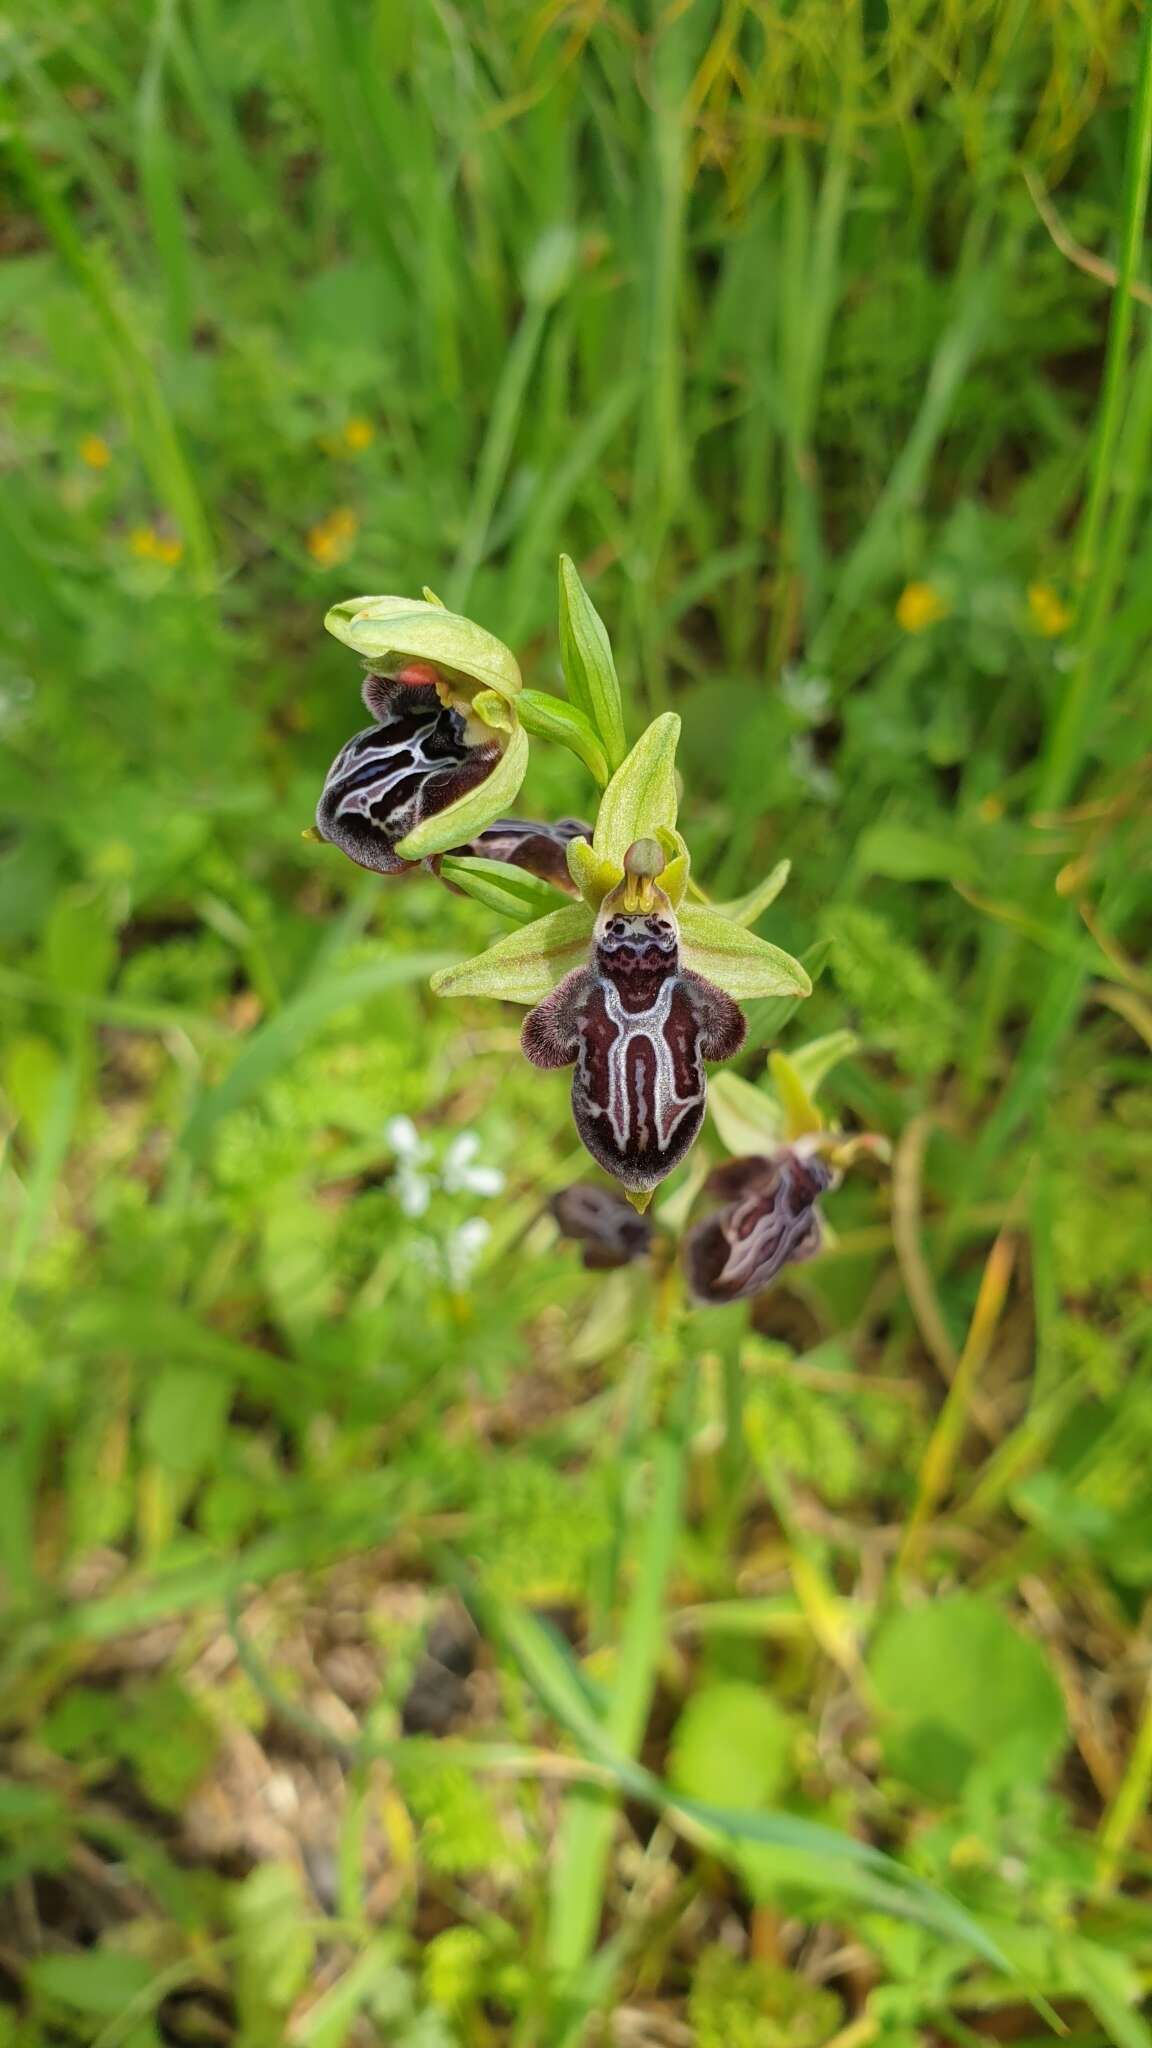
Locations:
{"points": [[638, 1027], [768, 1219], [607, 1225], [406, 767], [527, 843]]}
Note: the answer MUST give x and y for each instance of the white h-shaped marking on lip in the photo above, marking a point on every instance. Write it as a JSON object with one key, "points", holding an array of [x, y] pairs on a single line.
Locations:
{"points": [[670, 1108], [359, 800]]}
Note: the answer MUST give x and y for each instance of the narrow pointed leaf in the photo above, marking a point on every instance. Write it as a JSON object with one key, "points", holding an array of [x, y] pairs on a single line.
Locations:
{"points": [[640, 800], [589, 670], [550, 718], [735, 959], [747, 1118], [470, 813], [499, 885], [746, 909], [526, 966], [814, 1061], [385, 629]]}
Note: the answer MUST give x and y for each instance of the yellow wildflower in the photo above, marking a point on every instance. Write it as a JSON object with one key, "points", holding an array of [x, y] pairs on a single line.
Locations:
{"points": [[150, 545], [95, 452], [359, 434], [991, 809], [1050, 614], [331, 539], [918, 607]]}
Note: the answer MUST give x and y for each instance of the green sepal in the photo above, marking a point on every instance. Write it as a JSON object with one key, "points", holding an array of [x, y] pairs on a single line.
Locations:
{"points": [[589, 670], [735, 959], [502, 887], [814, 1062], [525, 966], [387, 630], [746, 909], [640, 800], [474, 810], [550, 718], [747, 1118], [802, 1119]]}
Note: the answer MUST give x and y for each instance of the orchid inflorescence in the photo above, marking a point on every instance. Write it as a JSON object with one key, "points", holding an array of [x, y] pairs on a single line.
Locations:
{"points": [[631, 977]]}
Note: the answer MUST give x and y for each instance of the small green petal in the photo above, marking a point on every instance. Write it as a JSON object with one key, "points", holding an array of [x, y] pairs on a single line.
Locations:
{"points": [[735, 959], [746, 909], [550, 718], [502, 887], [816, 1059], [748, 1120], [802, 1119], [640, 800], [470, 813], [525, 966], [593, 877]]}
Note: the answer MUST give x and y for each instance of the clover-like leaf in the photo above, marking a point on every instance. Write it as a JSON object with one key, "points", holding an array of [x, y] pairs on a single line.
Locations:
{"points": [[528, 964], [589, 670], [550, 718], [640, 800], [472, 812], [385, 630], [746, 909], [747, 1118], [735, 959], [502, 887]]}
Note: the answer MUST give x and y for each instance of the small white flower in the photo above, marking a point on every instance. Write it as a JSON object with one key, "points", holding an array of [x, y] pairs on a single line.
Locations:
{"points": [[463, 1250], [460, 1176], [404, 1138], [807, 695]]}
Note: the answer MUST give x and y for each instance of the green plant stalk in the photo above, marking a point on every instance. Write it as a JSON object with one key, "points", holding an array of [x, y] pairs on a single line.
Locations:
{"points": [[1131, 1802], [581, 1861], [496, 452], [138, 384]]}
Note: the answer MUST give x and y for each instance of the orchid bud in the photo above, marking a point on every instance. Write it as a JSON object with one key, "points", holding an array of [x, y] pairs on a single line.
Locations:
{"points": [[609, 1229], [540, 849], [638, 1027], [411, 764], [767, 1219]]}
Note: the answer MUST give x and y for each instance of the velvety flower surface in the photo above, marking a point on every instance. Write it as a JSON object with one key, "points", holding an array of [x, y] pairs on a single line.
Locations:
{"points": [[417, 758], [767, 1219], [637, 1026], [607, 1226]]}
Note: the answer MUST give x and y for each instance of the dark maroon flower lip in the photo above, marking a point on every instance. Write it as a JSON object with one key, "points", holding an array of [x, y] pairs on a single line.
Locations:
{"points": [[637, 1027], [411, 763], [767, 1219], [604, 1222]]}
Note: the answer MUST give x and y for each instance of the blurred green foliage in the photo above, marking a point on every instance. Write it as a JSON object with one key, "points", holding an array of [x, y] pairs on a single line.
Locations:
{"points": [[753, 311]]}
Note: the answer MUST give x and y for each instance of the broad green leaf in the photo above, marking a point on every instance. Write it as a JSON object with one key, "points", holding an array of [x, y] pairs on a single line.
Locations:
{"points": [[815, 1061], [735, 959], [748, 1119], [550, 718], [732, 1745], [387, 629], [97, 1981], [746, 909], [589, 670], [958, 1686], [502, 887], [640, 800], [185, 1411], [907, 854], [473, 811], [526, 966]]}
